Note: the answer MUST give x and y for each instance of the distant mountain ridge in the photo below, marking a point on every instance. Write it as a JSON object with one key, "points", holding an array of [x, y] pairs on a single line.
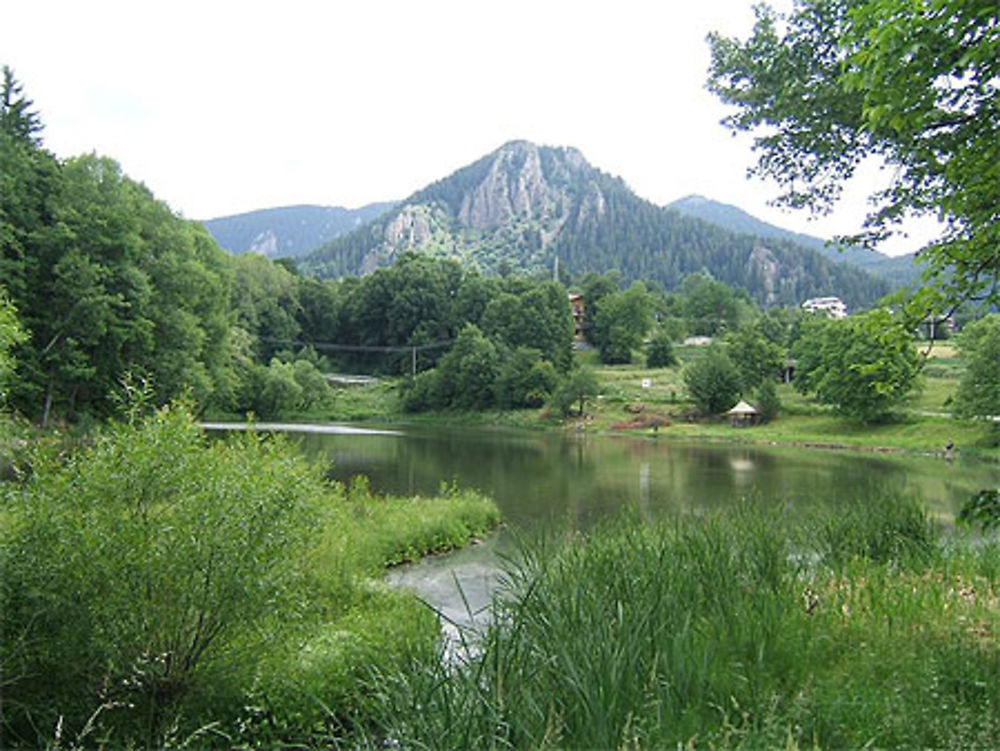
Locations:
{"points": [[523, 206], [898, 270], [288, 231]]}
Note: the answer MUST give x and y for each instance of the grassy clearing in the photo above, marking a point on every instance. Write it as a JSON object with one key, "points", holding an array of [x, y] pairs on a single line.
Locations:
{"points": [[923, 425], [856, 627]]}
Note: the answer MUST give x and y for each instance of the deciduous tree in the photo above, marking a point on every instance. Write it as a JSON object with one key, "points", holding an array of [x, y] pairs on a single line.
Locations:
{"points": [[712, 381], [910, 83], [978, 392], [863, 365]]}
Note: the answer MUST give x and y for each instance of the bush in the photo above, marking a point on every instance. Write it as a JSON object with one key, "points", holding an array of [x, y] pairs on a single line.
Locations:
{"points": [[144, 570], [712, 382], [660, 353], [525, 380], [580, 384], [768, 401], [467, 373], [423, 392]]}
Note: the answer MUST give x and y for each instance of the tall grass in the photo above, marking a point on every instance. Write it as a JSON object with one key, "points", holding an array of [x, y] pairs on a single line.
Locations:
{"points": [[739, 630]]}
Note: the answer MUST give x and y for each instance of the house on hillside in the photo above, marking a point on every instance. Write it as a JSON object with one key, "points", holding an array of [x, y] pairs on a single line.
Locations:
{"points": [[833, 306], [579, 308]]}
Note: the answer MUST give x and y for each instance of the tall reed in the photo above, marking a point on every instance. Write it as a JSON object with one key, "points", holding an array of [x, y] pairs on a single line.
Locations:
{"points": [[741, 629]]}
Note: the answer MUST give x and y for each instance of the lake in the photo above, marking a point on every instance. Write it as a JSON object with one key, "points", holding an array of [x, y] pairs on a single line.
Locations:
{"points": [[568, 480]]}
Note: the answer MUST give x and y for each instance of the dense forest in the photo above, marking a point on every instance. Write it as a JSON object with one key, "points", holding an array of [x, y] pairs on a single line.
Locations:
{"points": [[899, 271], [525, 206]]}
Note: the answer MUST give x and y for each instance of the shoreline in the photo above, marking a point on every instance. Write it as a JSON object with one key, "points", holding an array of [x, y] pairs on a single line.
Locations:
{"points": [[598, 426]]}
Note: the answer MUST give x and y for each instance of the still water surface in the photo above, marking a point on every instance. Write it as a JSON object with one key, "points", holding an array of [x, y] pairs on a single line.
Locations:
{"points": [[542, 480]]}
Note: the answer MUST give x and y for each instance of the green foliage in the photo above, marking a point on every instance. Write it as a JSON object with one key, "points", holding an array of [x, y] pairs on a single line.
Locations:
{"points": [[660, 352], [756, 358], [281, 388], [580, 384], [982, 510], [710, 306], [265, 303], [712, 381], [913, 84], [17, 120], [863, 366], [146, 568], [11, 334], [751, 641], [535, 315], [978, 392], [465, 378], [621, 323], [422, 393], [524, 379], [157, 586], [107, 280], [767, 400], [469, 370]]}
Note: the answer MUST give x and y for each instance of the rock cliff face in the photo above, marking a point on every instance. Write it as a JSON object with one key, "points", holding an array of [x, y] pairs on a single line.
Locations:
{"points": [[514, 189], [506, 209], [266, 244], [763, 262], [409, 229]]}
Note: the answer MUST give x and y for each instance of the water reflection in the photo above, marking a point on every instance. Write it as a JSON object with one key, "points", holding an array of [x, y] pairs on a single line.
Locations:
{"points": [[545, 479], [573, 481]]}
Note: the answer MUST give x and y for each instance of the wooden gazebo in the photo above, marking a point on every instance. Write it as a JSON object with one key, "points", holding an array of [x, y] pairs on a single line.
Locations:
{"points": [[743, 414]]}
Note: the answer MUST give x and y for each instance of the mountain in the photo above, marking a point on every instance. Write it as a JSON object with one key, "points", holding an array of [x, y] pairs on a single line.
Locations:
{"points": [[897, 270], [289, 230], [524, 206]]}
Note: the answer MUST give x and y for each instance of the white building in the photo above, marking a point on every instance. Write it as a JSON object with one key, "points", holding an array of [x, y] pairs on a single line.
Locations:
{"points": [[832, 306]]}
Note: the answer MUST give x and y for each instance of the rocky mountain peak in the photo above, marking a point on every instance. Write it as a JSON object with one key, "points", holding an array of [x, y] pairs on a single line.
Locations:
{"points": [[515, 188]]}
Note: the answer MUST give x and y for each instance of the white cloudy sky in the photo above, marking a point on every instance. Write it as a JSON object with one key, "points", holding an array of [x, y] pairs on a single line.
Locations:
{"points": [[224, 107]]}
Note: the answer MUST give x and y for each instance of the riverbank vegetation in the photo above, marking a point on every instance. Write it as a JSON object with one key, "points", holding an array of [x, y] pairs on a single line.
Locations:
{"points": [[158, 588], [852, 626], [656, 402]]}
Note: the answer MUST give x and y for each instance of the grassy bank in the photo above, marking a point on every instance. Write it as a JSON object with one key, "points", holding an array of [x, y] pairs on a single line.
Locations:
{"points": [[856, 627], [633, 396], [158, 589]]}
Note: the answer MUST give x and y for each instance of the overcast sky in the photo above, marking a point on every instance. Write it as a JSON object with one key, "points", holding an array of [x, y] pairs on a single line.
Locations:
{"points": [[225, 107]]}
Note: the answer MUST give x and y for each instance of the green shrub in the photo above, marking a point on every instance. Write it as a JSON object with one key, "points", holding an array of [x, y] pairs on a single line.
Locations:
{"points": [[768, 401], [660, 352], [524, 379], [143, 570], [712, 382]]}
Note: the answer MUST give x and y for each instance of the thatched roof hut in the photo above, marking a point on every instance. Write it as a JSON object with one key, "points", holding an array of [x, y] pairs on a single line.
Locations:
{"points": [[743, 414]]}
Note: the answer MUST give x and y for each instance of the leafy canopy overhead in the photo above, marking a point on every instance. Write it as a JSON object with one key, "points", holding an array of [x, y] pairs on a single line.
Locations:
{"points": [[912, 83]]}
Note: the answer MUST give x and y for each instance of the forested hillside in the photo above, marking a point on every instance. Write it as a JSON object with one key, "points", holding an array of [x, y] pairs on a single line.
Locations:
{"points": [[288, 231], [525, 206], [897, 270]]}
